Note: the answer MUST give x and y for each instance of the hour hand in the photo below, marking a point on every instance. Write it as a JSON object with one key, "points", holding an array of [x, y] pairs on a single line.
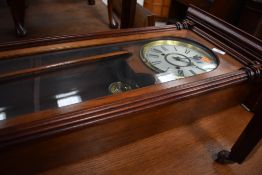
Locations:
{"points": [[179, 59]]}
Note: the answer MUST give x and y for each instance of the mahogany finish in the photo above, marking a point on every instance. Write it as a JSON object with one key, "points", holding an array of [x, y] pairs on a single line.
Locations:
{"points": [[185, 149], [244, 14], [99, 125], [251, 10], [97, 139], [52, 67]]}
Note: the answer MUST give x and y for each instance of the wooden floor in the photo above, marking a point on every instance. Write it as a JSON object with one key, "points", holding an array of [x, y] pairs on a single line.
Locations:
{"points": [[45, 18], [188, 149]]}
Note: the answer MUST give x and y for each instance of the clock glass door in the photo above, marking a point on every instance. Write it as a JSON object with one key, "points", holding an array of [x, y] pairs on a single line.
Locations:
{"points": [[57, 79]]}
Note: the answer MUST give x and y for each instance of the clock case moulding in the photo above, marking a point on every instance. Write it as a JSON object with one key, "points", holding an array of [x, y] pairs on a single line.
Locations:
{"points": [[49, 124]]}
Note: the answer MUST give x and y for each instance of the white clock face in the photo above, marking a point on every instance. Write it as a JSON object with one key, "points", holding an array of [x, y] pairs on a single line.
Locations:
{"points": [[182, 57]]}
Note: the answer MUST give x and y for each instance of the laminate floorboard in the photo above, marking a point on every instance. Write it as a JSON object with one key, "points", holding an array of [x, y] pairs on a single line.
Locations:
{"points": [[47, 18], [188, 149]]}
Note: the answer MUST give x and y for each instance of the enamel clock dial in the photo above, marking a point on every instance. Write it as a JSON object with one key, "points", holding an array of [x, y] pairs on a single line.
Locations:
{"points": [[182, 57]]}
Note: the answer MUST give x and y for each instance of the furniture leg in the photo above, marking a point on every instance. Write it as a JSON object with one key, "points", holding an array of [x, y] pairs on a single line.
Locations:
{"points": [[112, 21], [246, 142], [91, 2], [128, 13], [17, 8]]}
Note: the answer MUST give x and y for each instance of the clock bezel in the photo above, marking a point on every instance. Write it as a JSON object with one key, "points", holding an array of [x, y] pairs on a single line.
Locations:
{"points": [[186, 42]]}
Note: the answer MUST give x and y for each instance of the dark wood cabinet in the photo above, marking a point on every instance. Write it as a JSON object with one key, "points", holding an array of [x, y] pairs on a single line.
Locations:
{"points": [[223, 9], [245, 14], [250, 18], [65, 108]]}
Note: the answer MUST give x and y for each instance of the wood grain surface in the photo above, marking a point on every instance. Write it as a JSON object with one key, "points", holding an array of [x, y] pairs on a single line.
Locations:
{"points": [[88, 142], [60, 65], [186, 149], [169, 128]]}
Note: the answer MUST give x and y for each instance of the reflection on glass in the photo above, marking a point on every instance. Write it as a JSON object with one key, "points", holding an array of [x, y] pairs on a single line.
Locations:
{"points": [[69, 98], [165, 77], [69, 101], [219, 51], [2, 115], [209, 67], [68, 94]]}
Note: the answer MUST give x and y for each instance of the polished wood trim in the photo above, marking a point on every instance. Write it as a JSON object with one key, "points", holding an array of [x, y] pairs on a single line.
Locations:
{"points": [[243, 46], [97, 140], [83, 118], [60, 65], [45, 47], [80, 37]]}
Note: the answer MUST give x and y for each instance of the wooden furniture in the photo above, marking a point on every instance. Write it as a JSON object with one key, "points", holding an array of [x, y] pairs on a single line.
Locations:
{"points": [[18, 7], [142, 17], [18, 12], [249, 138], [128, 9], [64, 110], [160, 8], [251, 10], [225, 10], [238, 13]]}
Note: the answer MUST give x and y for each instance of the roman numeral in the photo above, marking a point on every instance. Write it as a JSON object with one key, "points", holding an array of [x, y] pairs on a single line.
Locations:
{"points": [[164, 48], [156, 50], [167, 69], [187, 51], [181, 73], [156, 62], [152, 55], [175, 48], [192, 72]]}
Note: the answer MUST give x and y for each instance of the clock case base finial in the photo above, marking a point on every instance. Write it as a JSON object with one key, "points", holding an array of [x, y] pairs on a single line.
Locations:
{"points": [[185, 24]]}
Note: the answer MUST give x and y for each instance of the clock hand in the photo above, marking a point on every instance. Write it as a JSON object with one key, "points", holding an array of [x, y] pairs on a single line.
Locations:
{"points": [[180, 59], [193, 64]]}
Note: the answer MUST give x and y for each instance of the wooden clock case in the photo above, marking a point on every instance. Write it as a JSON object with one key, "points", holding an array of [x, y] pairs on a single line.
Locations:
{"points": [[92, 127]]}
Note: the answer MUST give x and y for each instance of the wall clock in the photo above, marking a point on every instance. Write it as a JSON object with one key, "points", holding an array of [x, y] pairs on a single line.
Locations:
{"points": [[181, 56], [74, 93]]}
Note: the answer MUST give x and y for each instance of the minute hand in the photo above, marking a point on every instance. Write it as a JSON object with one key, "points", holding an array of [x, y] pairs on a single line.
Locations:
{"points": [[193, 64]]}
